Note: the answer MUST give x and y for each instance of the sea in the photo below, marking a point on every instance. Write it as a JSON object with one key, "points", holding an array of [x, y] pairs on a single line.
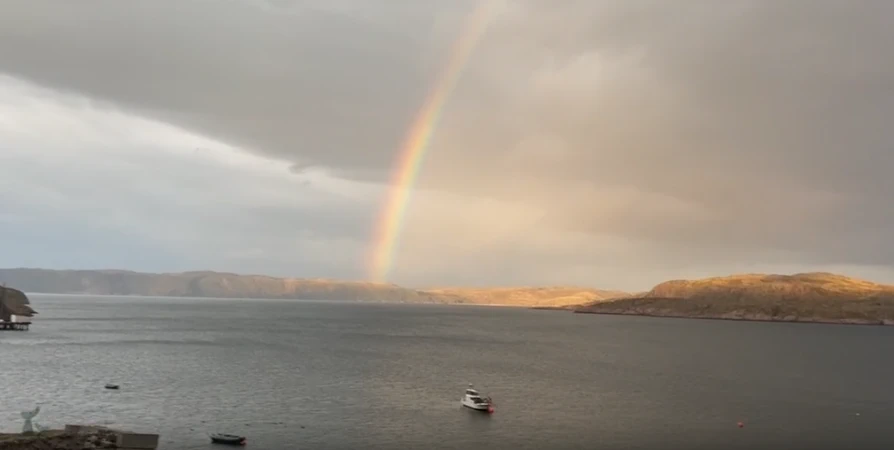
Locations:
{"points": [[293, 374]]}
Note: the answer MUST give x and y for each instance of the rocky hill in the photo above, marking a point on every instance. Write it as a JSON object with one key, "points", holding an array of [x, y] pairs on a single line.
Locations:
{"points": [[805, 297], [14, 302], [229, 285]]}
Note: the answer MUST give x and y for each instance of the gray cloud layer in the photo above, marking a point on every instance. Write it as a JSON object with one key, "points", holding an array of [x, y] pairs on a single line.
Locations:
{"points": [[699, 130]]}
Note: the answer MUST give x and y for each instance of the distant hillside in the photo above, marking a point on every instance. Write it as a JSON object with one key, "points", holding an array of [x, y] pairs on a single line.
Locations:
{"points": [[528, 296], [228, 285], [202, 284], [805, 297]]}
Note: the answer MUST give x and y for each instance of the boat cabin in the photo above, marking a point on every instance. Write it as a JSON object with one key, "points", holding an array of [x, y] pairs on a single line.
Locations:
{"points": [[475, 397]]}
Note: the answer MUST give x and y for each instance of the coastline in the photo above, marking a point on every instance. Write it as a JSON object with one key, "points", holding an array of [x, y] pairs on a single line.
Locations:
{"points": [[743, 317], [363, 302], [739, 316], [496, 305], [813, 297]]}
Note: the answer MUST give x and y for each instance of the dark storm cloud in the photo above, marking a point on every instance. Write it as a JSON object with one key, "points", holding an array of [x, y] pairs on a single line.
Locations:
{"points": [[331, 83]]}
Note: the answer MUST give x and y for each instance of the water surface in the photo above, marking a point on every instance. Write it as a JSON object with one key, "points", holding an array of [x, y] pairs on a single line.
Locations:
{"points": [[331, 375]]}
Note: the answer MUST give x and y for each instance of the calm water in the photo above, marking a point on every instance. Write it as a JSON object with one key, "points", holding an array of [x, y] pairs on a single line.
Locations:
{"points": [[325, 375]]}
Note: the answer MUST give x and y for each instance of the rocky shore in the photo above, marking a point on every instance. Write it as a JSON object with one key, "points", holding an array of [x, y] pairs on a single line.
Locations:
{"points": [[734, 315], [98, 438], [79, 437]]}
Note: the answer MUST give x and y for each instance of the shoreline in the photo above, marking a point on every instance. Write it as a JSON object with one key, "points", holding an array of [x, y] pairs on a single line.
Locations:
{"points": [[364, 302], [496, 305], [797, 320]]}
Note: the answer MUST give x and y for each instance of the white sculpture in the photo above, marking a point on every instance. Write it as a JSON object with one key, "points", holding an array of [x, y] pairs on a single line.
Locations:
{"points": [[28, 415]]}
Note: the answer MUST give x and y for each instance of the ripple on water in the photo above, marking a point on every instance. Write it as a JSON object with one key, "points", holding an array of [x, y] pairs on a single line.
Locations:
{"points": [[334, 375]]}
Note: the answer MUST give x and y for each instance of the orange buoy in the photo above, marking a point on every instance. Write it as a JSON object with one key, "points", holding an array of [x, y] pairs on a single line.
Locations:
{"points": [[490, 409], [741, 424]]}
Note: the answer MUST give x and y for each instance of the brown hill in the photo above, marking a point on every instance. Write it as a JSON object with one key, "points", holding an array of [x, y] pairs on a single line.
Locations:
{"points": [[229, 285], [805, 297]]}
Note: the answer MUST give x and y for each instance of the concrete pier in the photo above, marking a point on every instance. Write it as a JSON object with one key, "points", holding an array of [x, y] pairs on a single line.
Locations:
{"points": [[123, 440], [137, 441]]}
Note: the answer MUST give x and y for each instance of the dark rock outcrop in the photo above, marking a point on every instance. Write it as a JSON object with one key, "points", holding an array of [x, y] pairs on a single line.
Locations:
{"points": [[14, 302]]}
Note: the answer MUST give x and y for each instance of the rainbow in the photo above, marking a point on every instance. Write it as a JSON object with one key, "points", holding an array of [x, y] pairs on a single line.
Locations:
{"points": [[416, 143]]}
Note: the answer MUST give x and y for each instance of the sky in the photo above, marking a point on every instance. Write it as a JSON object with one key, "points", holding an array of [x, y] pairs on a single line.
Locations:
{"points": [[605, 143]]}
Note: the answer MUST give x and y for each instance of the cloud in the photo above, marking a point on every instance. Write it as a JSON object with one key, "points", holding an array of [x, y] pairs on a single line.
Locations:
{"points": [[333, 83], [749, 128], [587, 142], [92, 171]]}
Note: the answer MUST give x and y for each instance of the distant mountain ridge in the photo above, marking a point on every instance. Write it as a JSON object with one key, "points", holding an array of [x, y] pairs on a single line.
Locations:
{"points": [[230, 285], [804, 297]]}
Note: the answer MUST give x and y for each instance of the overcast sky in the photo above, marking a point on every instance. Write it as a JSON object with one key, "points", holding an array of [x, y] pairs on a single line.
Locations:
{"points": [[607, 143]]}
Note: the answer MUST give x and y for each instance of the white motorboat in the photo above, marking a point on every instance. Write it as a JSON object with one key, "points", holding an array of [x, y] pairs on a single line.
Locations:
{"points": [[476, 401]]}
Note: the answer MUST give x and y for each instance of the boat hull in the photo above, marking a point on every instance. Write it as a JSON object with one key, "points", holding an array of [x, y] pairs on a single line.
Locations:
{"points": [[228, 440], [483, 407]]}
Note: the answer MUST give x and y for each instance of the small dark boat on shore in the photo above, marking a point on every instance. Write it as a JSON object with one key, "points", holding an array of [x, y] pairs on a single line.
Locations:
{"points": [[227, 439]]}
